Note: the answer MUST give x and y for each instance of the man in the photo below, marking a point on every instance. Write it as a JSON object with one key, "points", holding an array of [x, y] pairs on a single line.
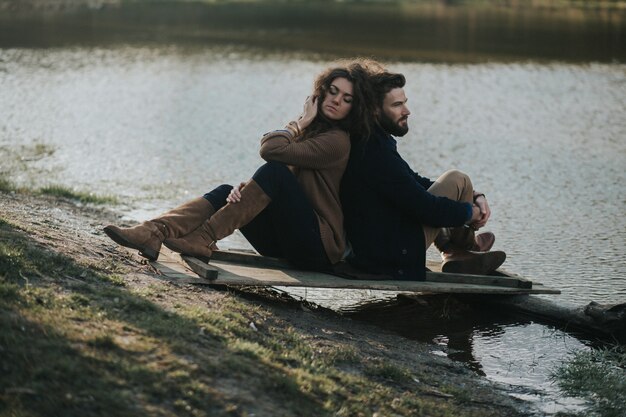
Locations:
{"points": [[392, 214]]}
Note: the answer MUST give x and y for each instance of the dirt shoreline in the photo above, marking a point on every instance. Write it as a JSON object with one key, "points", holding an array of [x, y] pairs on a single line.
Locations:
{"points": [[71, 230]]}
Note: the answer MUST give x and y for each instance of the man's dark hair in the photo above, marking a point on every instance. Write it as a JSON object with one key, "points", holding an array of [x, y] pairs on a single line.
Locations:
{"points": [[384, 82]]}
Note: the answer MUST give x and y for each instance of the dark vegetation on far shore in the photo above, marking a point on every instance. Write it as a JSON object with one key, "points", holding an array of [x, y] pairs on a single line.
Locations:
{"points": [[450, 31], [522, 4]]}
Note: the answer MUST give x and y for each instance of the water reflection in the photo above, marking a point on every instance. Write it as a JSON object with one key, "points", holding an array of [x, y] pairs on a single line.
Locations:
{"points": [[518, 354]]}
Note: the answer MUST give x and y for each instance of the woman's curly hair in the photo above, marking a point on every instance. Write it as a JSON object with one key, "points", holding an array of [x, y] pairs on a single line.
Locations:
{"points": [[361, 117]]}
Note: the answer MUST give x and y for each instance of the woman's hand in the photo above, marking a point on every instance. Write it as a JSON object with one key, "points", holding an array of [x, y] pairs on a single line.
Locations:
{"points": [[235, 194], [308, 113]]}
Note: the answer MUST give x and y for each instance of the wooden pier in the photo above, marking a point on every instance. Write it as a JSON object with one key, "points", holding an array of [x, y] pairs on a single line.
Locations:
{"points": [[504, 289], [237, 268]]}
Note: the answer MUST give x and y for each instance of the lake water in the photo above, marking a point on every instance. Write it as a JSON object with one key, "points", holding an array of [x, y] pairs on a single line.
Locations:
{"points": [[161, 122]]}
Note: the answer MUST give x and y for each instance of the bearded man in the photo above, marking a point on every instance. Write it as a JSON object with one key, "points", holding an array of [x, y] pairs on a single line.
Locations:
{"points": [[392, 214]]}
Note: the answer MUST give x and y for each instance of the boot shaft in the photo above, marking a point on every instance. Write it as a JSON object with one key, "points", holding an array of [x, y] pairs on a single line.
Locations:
{"points": [[185, 218], [223, 223], [235, 215], [148, 236]]}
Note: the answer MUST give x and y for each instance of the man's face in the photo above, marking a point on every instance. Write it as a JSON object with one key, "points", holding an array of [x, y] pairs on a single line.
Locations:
{"points": [[395, 114]]}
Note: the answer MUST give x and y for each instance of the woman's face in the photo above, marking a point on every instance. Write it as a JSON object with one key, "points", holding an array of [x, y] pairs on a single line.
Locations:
{"points": [[338, 100]]}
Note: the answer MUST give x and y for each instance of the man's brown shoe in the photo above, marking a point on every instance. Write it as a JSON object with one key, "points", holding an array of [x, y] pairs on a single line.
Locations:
{"points": [[483, 242], [476, 263], [463, 238]]}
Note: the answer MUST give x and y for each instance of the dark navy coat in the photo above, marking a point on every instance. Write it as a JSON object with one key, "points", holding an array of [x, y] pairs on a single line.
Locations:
{"points": [[385, 204]]}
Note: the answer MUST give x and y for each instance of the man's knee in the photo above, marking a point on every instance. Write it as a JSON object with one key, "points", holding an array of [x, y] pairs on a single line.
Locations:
{"points": [[457, 177]]}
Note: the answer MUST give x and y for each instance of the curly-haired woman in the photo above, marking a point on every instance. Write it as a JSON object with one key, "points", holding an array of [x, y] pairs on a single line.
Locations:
{"points": [[290, 208]]}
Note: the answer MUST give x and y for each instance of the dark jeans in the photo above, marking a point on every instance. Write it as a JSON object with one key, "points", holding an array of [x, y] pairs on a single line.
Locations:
{"points": [[217, 197], [288, 227]]}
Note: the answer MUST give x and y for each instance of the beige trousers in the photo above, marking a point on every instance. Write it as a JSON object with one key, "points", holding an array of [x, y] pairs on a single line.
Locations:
{"points": [[454, 185]]}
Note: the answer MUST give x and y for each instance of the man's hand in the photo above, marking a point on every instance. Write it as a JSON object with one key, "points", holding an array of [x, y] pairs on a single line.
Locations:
{"points": [[480, 212], [235, 194]]}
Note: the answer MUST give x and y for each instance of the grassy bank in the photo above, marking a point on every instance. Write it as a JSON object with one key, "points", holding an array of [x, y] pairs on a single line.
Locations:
{"points": [[17, 161], [81, 196], [88, 330], [7, 186]]}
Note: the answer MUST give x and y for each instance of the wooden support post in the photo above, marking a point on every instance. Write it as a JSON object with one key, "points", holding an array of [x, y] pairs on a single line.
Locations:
{"points": [[252, 259], [202, 269]]}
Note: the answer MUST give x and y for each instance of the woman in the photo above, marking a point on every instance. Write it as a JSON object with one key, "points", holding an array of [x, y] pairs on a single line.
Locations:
{"points": [[290, 208]]}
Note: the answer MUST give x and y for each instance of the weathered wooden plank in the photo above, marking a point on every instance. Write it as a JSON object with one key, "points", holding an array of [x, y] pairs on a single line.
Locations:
{"points": [[505, 273], [185, 279], [246, 258], [169, 268], [500, 280], [250, 270], [435, 266], [237, 274]]}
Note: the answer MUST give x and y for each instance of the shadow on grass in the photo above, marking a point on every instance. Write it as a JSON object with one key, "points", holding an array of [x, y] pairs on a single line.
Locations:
{"points": [[72, 343], [75, 341]]}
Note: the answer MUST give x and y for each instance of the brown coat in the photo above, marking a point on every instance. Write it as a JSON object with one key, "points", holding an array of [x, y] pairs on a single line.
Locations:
{"points": [[318, 163]]}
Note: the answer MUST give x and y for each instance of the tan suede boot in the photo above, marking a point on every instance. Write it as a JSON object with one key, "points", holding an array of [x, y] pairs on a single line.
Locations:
{"points": [[148, 236], [223, 223]]}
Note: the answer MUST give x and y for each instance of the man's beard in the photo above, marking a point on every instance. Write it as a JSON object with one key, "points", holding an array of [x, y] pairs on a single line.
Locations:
{"points": [[392, 127]]}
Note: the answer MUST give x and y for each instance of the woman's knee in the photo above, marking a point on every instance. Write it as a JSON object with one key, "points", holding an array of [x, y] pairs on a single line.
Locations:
{"points": [[272, 175], [272, 169], [217, 196]]}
